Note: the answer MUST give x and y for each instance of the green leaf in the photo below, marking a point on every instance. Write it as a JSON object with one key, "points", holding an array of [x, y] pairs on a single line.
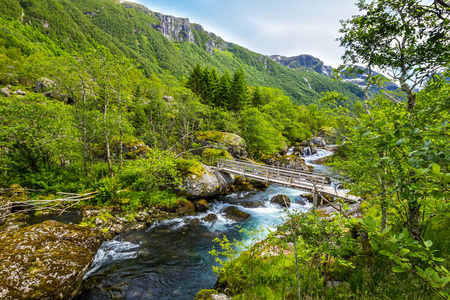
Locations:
{"points": [[428, 243], [403, 252], [436, 168], [399, 142], [380, 124], [386, 230], [398, 269], [444, 281], [365, 133]]}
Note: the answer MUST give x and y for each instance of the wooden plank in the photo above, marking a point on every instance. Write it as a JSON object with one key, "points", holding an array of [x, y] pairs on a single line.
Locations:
{"points": [[243, 163]]}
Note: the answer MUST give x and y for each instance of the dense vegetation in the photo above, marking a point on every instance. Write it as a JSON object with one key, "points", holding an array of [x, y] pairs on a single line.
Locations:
{"points": [[58, 26], [112, 105], [397, 159]]}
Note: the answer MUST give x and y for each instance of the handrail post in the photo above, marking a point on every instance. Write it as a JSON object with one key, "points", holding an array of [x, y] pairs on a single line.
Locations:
{"points": [[315, 199]]}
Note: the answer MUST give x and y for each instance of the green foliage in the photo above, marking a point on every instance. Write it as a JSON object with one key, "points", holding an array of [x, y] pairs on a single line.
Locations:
{"points": [[315, 248], [239, 98], [212, 155], [260, 135], [409, 153], [158, 171]]}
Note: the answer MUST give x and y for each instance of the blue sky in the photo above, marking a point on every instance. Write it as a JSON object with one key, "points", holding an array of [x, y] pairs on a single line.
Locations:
{"points": [[284, 27]]}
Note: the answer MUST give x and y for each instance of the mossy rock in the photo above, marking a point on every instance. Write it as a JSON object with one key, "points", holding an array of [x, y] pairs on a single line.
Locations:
{"points": [[242, 184], [190, 167], [322, 161], [234, 213], [201, 205], [210, 218], [220, 137], [286, 161], [185, 208], [281, 200], [205, 295], [46, 260], [216, 140]]}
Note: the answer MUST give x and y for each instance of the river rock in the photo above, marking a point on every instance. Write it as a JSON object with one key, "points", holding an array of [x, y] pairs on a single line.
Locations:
{"points": [[206, 183], [233, 143], [192, 222], [250, 204], [185, 208], [46, 261], [319, 141], [201, 205], [282, 200], [300, 200], [210, 218], [234, 213]]}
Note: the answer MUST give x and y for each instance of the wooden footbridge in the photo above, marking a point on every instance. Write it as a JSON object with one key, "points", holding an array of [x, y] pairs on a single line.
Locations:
{"points": [[300, 180]]}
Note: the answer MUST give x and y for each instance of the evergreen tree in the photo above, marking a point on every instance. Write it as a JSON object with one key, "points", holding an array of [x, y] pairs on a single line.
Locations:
{"points": [[239, 91], [207, 87], [195, 79], [257, 99], [223, 91]]}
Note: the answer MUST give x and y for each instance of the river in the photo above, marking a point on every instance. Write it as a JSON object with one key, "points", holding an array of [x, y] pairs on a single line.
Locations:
{"points": [[170, 260]]}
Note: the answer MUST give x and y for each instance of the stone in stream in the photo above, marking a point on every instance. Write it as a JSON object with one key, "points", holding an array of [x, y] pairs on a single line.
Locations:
{"points": [[250, 204], [233, 213], [46, 260], [205, 182], [300, 200], [210, 218], [201, 205], [282, 200], [319, 141]]}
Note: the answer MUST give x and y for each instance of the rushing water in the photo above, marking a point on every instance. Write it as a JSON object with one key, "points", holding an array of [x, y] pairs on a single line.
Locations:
{"points": [[170, 260]]}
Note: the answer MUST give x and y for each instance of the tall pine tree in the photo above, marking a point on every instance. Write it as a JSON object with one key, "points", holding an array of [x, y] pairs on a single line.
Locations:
{"points": [[195, 80], [223, 91], [257, 99], [239, 91], [207, 87]]}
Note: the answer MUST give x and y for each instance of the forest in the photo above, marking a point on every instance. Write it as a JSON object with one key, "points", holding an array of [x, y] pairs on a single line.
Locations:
{"points": [[84, 107]]}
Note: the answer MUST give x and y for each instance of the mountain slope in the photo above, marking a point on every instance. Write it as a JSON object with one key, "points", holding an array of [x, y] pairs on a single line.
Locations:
{"points": [[159, 43]]}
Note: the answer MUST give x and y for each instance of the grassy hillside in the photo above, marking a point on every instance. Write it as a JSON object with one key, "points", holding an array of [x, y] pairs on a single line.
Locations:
{"points": [[57, 26]]}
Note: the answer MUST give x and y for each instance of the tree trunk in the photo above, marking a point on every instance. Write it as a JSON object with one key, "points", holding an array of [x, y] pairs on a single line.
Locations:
{"points": [[411, 96], [414, 221]]}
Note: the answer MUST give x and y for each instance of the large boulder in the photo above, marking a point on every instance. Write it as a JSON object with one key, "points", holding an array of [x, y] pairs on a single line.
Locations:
{"points": [[233, 143], [287, 161], [44, 85], [46, 261], [281, 200], [206, 182], [319, 141], [234, 213]]}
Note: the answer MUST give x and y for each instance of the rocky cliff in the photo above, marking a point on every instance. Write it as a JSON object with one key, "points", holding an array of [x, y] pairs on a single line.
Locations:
{"points": [[303, 61], [311, 62], [179, 30]]}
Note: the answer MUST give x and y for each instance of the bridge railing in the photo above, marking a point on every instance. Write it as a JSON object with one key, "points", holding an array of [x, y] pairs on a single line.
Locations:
{"points": [[270, 173]]}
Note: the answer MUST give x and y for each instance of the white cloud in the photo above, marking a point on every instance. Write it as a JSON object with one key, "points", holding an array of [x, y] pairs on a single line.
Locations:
{"points": [[285, 27]]}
